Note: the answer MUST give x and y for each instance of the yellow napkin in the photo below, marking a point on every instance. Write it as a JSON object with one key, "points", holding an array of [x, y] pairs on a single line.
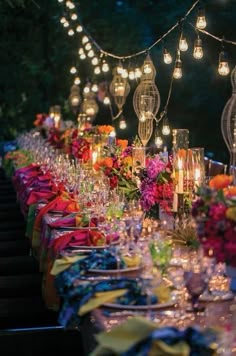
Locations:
{"points": [[162, 291], [133, 261], [61, 264], [132, 331], [100, 298]]}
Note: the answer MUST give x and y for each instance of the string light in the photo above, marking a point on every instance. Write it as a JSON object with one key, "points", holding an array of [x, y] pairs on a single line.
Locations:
{"points": [[81, 50], [60, 0], [66, 24], [97, 70], [167, 57], [106, 100], [91, 53], [177, 74], [138, 72], [63, 20], [201, 19], [73, 70], [94, 61], [165, 126], [131, 75], [223, 67], [158, 139], [74, 17], [71, 32], [124, 73], [87, 88], [77, 81], [105, 67], [88, 46], [79, 28], [198, 51], [82, 56], [183, 44], [85, 39], [94, 88], [122, 124]]}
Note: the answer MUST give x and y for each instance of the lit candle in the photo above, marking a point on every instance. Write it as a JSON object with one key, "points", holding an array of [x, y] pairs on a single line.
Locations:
{"points": [[57, 120], [180, 176], [197, 177], [175, 202], [120, 90]]}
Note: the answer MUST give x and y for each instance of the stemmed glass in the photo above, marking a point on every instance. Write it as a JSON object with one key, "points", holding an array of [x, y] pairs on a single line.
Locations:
{"points": [[196, 281]]}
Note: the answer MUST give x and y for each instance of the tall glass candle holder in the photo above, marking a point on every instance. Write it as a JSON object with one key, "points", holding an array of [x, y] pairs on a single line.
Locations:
{"points": [[138, 158], [198, 166], [180, 146]]}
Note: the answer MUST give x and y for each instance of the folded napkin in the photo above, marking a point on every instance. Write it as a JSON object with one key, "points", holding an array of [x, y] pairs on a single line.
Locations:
{"points": [[139, 336], [80, 299], [61, 264], [39, 196]]}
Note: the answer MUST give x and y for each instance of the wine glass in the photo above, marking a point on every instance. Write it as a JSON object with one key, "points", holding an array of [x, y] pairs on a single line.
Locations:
{"points": [[195, 282]]}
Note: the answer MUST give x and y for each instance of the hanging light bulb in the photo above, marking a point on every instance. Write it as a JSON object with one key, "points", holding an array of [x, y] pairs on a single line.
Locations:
{"points": [[198, 51], [124, 73], [147, 69], [60, 0], [223, 67], [71, 32], [74, 17], [142, 117], [77, 81], [177, 74], [167, 56], [201, 19], [86, 89], [82, 56], [183, 44], [81, 50], [119, 69], [138, 72], [158, 141], [106, 100], [66, 24], [90, 53], [94, 61], [105, 67], [79, 28], [63, 20], [165, 127], [85, 39], [122, 124], [73, 70], [88, 46], [97, 70], [94, 88], [131, 75]]}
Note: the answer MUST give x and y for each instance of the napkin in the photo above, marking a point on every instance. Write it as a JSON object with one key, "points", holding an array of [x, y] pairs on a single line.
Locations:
{"points": [[61, 264], [139, 336], [86, 296], [38, 196]]}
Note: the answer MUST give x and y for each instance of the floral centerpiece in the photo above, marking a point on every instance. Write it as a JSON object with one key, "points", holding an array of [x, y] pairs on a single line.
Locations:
{"points": [[215, 214], [156, 188], [117, 166]]}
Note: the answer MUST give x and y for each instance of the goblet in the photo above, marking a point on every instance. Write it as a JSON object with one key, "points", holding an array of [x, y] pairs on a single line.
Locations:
{"points": [[196, 283]]}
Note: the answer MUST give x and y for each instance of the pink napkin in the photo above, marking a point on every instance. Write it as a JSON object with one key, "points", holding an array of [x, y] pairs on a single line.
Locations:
{"points": [[74, 238], [38, 196], [66, 221]]}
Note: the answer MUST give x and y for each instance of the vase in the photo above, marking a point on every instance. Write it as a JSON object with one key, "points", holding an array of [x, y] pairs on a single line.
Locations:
{"points": [[231, 273]]}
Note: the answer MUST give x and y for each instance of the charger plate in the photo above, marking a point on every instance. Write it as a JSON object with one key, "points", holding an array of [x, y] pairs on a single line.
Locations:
{"points": [[140, 307], [216, 298]]}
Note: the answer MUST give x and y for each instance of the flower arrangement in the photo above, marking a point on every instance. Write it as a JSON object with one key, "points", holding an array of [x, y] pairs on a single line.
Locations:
{"points": [[215, 214], [117, 166], [156, 188]]}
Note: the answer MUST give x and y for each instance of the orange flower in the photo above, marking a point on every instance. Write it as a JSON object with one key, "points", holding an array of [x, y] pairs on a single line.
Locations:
{"points": [[105, 162], [230, 191], [108, 162], [122, 143], [220, 181], [128, 161], [105, 129]]}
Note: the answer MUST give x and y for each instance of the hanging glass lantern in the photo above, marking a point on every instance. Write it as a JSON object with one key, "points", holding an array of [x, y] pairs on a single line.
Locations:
{"points": [[228, 126], [146, 100], [119, 89], [89, 106], [74, 97]]}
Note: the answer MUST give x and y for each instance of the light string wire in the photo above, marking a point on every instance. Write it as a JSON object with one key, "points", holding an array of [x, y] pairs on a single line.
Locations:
{"points": [[112, 55]]}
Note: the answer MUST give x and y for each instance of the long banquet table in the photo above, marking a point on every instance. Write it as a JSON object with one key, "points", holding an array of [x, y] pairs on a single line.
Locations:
{"points": [[217, 313]]}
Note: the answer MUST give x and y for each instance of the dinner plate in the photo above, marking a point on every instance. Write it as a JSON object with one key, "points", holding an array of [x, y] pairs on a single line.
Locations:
{"points": [[139, 307], [114, 271], [216, 298]]}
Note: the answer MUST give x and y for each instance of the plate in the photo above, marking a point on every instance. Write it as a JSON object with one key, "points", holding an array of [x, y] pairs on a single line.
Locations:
{"points": [[216, 298], [114, 271], [139, 307]]}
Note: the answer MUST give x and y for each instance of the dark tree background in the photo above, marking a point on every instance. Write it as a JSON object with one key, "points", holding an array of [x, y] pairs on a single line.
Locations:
{"points": [[36, 55]]}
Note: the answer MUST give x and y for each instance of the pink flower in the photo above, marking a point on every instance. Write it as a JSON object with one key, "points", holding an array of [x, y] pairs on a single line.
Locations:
{"points": [[154, 167]]}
